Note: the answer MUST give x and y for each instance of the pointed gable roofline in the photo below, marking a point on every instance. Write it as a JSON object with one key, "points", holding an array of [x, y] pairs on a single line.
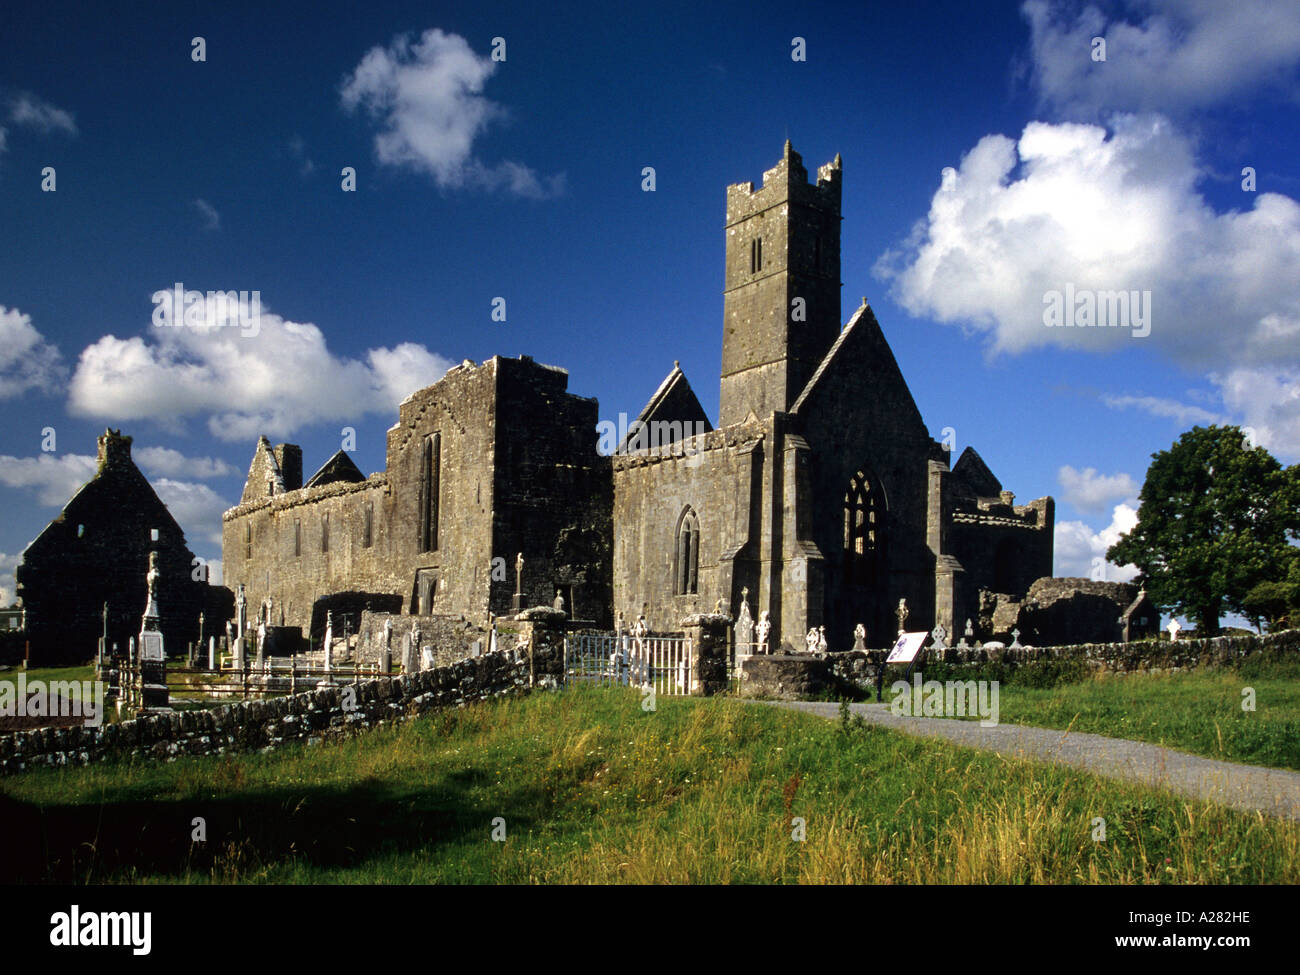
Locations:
{"points": [[970, 467], [861, 325], [339, 468], [673, 402]]}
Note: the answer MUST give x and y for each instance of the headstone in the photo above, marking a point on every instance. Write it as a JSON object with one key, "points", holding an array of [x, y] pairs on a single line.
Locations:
{"points": [[386, 649], [859, 637], [810, 640], [329, 641], [822, 646], [744, 625], [962, 644], [939, 637], [426, 657], [517, 601], [212, 653], [411, 662], [901, 614], [558, 605], [763, 632], [241, 612], [152, 694], [1015, 639], [1173, 628]]}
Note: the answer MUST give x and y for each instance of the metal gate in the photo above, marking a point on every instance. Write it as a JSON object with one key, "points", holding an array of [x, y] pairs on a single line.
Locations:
{"points": [[661, 662]]}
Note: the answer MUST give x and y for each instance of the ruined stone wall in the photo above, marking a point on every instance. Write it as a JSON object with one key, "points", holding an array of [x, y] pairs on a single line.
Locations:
{"points": [[97, 551], [719, 475], [552, 494], [510, 456], [1002, 547], [273, 545], [461, 410]]}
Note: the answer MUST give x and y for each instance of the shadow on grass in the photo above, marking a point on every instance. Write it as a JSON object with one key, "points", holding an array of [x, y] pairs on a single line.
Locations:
{"points": [[321, 827]]}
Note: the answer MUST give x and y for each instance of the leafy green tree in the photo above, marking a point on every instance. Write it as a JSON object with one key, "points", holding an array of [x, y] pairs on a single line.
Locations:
{"points": [[1270, 602], [1215, 519]]}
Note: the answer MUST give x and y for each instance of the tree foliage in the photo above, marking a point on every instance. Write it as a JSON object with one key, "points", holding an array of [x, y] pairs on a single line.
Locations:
{"points": [[1216, 519]]}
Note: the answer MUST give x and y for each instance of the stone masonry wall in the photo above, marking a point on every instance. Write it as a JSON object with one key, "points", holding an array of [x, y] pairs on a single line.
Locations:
{"points": [[260, 725], [802, 675]]}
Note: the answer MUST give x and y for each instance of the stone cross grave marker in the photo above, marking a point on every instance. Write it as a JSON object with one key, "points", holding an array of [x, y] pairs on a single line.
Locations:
{"points": [[744, 625], [939, 637]]}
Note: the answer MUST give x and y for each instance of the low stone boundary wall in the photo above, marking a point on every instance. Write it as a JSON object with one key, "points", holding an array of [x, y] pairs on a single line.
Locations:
{"points": [[1162, 655], [260, 725], [807, 675]]}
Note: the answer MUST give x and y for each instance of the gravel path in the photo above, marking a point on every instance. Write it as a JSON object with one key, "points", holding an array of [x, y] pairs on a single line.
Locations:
{"points": [[1250, 787]]}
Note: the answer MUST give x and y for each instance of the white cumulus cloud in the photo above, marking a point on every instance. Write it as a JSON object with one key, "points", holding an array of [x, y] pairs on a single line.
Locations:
{"points": [[274, 379], [8, 586], [1162, 55], [165, 462], [27, 361], [1075, 206], [196, 507], [1081, 552], [52, 478], [427, 97], [1088, 491]]}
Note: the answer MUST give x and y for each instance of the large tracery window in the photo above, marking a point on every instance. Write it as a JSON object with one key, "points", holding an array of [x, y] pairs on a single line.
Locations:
{"points": [[863, 513], [686, 561]]}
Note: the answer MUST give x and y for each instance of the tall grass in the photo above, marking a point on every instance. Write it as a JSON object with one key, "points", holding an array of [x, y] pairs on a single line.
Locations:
{"points": [[593, 789], [1199, 711]]}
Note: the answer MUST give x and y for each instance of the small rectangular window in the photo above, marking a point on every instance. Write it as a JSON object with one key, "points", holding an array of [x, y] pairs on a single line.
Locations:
{"points": [[248, 540], [367, 524], [755, 255], [297, 537], [325, 533]]}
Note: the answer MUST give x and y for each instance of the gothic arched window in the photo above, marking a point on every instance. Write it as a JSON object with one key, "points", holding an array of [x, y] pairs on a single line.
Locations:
{"points": [[863, 513], [686, 558], [430, 476]]}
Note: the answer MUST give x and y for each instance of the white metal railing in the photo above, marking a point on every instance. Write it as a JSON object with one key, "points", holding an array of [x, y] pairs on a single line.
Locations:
{"points": [[663, 663]]}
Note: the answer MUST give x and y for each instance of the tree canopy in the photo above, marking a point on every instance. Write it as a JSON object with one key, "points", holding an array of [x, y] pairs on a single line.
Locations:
{"points": [[1217, 517]]}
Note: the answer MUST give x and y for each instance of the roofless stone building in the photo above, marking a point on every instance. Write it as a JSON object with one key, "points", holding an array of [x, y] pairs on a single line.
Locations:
{"points": [[820, 491], [96, 552]]}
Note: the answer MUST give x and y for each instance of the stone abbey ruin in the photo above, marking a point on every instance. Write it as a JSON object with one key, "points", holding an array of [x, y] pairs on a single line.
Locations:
{"points": [[819, 496], [83, 577]]}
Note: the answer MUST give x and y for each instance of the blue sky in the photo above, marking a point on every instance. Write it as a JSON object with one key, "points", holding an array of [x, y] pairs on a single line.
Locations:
{"points": [[989, 159]]}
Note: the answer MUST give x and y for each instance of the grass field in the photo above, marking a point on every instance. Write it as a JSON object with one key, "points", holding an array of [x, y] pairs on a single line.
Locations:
{"points": [[1196, 711], [79, 673], [593, 789]]}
